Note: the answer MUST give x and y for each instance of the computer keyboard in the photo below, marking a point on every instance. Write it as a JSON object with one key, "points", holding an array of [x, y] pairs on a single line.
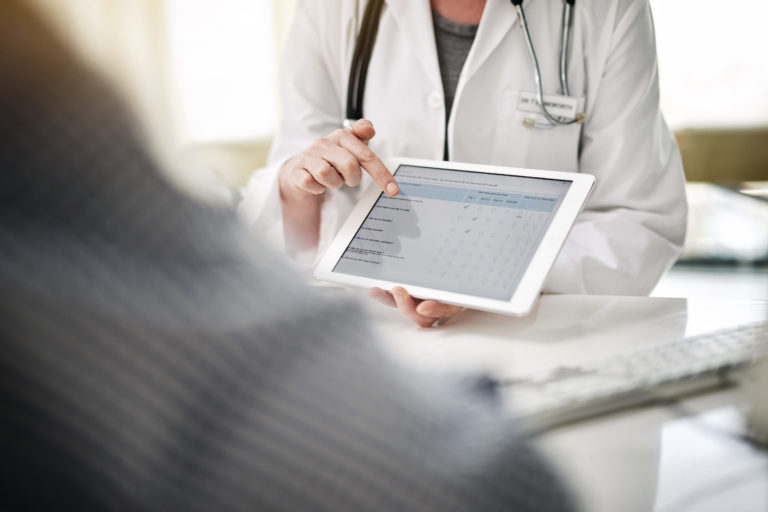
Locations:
{"points": [[636, 377]]}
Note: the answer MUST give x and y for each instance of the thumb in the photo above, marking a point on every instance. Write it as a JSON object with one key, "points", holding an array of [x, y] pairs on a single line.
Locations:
{"points": [[363, 130]]}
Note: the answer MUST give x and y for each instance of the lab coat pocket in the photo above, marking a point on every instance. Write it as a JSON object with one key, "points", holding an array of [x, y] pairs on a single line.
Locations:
{"points": [[517, 144]]}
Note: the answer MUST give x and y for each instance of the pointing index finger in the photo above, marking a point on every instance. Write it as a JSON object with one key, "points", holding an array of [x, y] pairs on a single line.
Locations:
{"points": [[370, 162], [363, 130]]}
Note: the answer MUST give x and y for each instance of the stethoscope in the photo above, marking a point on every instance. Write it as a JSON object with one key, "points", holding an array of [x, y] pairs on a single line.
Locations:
{"points": [[367, 37]]}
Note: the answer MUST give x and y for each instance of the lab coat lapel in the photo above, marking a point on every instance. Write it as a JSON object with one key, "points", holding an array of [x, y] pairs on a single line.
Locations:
{"points": [[415, 20], [498, 19]]}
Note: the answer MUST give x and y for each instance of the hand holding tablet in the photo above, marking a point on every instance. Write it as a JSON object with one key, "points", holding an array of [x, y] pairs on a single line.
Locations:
{"points": [[424, 312], [469, 235]]}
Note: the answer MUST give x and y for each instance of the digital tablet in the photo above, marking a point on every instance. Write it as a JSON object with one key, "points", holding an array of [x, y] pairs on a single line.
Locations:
{"points": [[472, 235]]}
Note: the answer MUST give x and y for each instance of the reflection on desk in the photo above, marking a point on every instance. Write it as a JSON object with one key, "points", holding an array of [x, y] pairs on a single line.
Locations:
{"points": [[613, 462]]}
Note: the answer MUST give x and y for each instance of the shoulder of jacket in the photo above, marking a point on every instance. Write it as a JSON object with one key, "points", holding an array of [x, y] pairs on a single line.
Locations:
{"points": [[607, 15], [627, 9]]}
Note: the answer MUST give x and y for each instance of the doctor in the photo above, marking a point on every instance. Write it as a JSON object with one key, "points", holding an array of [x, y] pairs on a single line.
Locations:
{"points": [[449, 79]]}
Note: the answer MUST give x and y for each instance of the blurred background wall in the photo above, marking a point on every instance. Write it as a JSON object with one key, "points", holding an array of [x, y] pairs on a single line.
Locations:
{"points": [[201, 74], [714, 82]]}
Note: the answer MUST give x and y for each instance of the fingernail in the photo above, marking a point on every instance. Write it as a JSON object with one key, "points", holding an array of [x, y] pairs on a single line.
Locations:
{"points": [[392, 189]]}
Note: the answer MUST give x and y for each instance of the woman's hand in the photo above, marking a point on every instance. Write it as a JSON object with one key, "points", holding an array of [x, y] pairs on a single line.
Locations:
{"points": [[336, 160], [423, 312], [328, 163]]}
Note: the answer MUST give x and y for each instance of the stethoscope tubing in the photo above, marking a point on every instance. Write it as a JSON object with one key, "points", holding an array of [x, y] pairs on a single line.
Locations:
{"points": [[565, 32], [537, 70], [367, 38], [361, 58]]}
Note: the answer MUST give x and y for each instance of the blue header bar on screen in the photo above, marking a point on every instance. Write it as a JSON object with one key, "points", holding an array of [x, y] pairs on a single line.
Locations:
{"points": [[482, 197]]}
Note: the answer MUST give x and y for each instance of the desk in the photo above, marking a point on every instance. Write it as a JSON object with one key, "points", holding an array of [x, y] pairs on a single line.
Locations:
{"points": [[642, 459]]}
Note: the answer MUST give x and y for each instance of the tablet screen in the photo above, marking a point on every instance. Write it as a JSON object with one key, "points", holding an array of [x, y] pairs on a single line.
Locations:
{"points": [[466, 232]]}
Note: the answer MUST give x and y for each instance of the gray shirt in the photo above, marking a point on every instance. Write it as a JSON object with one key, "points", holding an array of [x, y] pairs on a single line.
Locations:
{"points": [[454, 40]]}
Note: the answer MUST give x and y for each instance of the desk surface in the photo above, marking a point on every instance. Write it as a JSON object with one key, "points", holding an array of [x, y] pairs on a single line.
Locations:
{"points": [[641, 459]]}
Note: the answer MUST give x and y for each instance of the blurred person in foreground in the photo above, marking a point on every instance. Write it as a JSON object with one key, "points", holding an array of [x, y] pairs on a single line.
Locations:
{"points": [[155, 358]]}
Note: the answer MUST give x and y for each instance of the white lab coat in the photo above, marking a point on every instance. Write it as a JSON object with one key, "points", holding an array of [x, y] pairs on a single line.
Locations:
{"points": [[633, 226]]}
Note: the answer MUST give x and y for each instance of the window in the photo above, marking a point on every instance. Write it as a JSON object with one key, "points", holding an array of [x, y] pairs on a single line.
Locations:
{"points": [[223, 60], [713, 62]]}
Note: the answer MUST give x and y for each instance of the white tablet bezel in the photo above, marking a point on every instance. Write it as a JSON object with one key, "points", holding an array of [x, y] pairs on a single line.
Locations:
{"points": [[533, 278]]}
